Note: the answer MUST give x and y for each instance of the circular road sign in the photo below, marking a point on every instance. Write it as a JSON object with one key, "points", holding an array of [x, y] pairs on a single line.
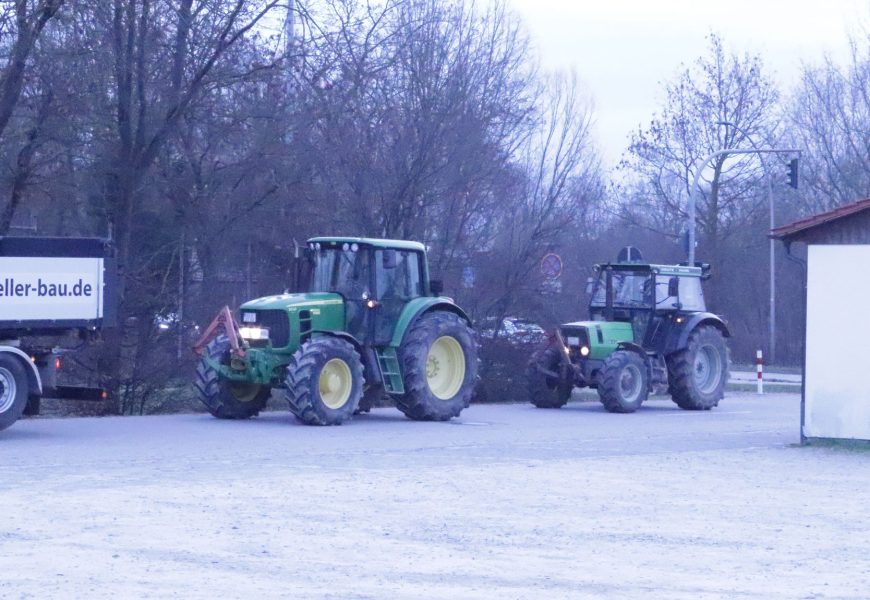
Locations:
{"points": [[551, 265]]}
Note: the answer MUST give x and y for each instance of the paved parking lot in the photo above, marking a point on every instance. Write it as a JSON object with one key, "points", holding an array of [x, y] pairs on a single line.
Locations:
{"points": [[506, 502]]}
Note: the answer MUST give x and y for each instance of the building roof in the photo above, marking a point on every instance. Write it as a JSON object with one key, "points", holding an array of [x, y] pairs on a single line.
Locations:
{"points": [[799, 227]]}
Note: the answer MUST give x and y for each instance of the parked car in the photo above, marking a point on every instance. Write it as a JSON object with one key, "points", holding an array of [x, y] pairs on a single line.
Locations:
{"points": [[516, 330], [166, 323]]}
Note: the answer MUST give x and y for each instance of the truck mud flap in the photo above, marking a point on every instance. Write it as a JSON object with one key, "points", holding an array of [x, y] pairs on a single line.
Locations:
{"points": [[75, 392]]}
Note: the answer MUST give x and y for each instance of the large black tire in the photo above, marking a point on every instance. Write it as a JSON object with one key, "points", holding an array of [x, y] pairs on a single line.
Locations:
{"points": [[324, 381], [223, 398], [13, 389], [697, 374], [624, 384], [439, 366], [545, 391]]}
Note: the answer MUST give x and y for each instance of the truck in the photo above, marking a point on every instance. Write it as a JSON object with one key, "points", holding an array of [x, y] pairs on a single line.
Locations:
{"points": [[372, 325], [55, 295]]}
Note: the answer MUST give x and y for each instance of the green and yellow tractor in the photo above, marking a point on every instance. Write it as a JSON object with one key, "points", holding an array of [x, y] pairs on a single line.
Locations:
{"points": [[372, 325], [648, 331]]}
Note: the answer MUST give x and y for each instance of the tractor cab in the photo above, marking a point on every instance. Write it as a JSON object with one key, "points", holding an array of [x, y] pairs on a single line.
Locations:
{"points": [[370, 274], [645, 294]]}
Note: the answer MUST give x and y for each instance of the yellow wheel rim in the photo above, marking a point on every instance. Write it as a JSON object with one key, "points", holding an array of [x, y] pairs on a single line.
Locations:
{"points": [[445, 367], [335, 383], [244, 392]]}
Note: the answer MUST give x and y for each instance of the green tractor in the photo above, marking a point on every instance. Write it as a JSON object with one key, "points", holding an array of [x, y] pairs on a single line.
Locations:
{"points": [[371, 325], [648, 331]]}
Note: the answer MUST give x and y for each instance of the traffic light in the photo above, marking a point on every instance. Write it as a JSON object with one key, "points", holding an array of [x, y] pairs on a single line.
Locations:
{"points": [[793, 173]]}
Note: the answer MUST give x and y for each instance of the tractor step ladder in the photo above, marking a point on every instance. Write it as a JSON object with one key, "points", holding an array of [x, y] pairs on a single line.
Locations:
{"points": [[391, 374]]}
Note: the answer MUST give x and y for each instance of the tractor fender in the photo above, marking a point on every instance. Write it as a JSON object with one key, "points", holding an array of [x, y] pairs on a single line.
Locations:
{"points": [[633, 348], [637, 349], [34, 382], [679, 334], [342, 335], [418, 307]]}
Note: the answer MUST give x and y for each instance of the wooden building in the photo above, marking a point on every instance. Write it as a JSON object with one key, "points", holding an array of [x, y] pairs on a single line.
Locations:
{"points": [[835, 249]]}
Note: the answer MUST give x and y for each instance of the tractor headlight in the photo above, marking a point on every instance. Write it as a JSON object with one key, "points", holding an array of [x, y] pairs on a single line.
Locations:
{"points": [[254, 333], [584, 351]]}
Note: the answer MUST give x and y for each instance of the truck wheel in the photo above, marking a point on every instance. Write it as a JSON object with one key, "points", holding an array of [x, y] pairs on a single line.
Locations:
{"points": [[545, 391], [223, 398], [13, 390], [439, 366], [698, 373], [324, 381], [624, 382]]}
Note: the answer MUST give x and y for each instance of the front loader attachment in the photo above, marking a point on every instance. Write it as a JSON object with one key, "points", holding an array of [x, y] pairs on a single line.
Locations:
{"points": [[226, 321]]}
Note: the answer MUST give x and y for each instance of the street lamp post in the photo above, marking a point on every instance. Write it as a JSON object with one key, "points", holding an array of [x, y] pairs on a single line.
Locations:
{"points": [[768, 177], [691, 214]]}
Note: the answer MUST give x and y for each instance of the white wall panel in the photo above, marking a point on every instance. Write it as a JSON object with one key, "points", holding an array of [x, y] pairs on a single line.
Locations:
{"points": [[837, 401]]}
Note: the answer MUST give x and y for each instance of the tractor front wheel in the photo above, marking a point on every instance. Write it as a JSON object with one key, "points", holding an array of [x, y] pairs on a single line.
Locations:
{"points": [[624, 382], [546, 388], [324, 381], [224, 398], [439, 365], [698, 373]]}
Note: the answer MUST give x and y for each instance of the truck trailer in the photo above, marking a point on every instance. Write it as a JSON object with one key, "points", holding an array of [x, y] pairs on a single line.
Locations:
{"points": [[53, 291]]}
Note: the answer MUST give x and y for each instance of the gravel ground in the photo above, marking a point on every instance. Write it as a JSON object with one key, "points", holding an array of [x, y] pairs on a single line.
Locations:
{"points": [[505, 502]]}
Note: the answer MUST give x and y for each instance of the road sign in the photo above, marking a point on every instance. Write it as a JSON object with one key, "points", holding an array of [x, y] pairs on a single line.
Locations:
{"points": [[551, 265]]}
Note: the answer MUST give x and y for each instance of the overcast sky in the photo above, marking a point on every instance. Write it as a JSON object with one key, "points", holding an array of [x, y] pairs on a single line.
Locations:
{"points": [[623, 49]]}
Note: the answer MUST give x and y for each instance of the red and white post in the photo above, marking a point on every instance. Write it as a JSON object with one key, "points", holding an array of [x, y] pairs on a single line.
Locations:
{"points": [[759, 365]]}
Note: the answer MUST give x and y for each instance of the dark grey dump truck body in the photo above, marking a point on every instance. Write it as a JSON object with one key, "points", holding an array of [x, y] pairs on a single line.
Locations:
{"points": [[49, 287]]}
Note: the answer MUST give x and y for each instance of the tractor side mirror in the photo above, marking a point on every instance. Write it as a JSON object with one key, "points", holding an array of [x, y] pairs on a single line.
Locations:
{"points": [[674, 287], [436, 286], [390, 260], [590, 285]]}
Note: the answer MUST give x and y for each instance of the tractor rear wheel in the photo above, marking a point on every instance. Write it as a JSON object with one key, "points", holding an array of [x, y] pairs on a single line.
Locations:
{"points": [[324, 381], [439, 366], [226, 399], [546, 391], [698, 373], [624, 384]]}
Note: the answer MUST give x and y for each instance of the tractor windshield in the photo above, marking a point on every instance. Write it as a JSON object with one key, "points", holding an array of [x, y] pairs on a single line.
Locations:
{"points": [[630, 290], [635, 290], [347, 272]]}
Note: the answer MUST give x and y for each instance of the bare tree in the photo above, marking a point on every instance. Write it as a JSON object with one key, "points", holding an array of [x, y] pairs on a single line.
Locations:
{"points": [[558, 184], [659, 166], [419, 105], [830, 117], [25, 23]]}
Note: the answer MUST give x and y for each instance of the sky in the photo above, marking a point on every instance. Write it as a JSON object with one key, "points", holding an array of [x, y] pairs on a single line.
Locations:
{"points": [[622, 50]]}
